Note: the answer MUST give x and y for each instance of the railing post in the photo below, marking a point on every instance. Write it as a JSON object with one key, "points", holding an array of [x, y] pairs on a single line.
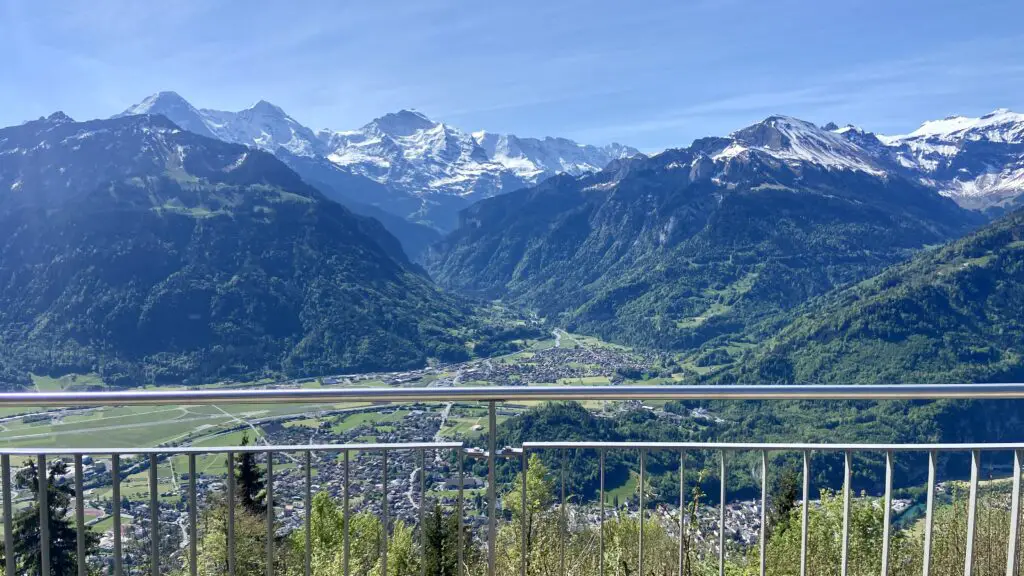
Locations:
{"points": [[929, 520], [600, 559], [804, 513], [972, 507], [270, 513], [887, 513], [83, 569], [643, 466], [115, 495], [461, 510], [721, 518], [764, 514], [1011, 546], [847, 480], [231, 514], [344, 518], [563, 526], [492, 520], [423, 505], [154, 518], [682, 512], [193, 518], [308, 521], [524, 518], [43, 485], [5, 470], [387, 521]]}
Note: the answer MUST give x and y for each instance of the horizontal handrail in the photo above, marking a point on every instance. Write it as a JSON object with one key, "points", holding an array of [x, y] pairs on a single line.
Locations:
{"points": [[251, 448], [517, 393], [775, 446]]}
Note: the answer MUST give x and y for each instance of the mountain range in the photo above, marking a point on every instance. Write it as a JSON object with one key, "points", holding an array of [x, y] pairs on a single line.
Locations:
{"points": [[146, 253], [173, 243], [697, 244], [403, 162], [428, 168]]}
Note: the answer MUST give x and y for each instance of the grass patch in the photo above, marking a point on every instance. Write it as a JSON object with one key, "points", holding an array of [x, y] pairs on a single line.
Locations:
{"points": [[351, 421], [624, 492]]}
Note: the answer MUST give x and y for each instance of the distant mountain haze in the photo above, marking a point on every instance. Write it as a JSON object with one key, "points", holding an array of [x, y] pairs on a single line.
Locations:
{"points": [[424, 171]]}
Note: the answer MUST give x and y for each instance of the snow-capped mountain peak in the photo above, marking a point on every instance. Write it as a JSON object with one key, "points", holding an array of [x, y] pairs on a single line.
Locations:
{"points": [[978, 162], [175, 108], [59, 117], [1000, 125], [265, 108], [403, 123], [848, 128], [409, 151], [159, 101], [794, 141], [262, 125], [411, 155]]}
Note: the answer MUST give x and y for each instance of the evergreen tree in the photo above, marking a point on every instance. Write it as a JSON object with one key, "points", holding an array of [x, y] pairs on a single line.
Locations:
{"points": [[441, 553], [249, 479], [62, 537], [783, 499], [250, 542], [403, 557]]}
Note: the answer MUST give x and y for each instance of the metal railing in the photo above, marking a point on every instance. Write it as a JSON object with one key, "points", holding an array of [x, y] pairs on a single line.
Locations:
{"points": [[492, 396]]}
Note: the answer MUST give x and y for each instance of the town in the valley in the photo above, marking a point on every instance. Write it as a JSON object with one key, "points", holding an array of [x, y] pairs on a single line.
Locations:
{"points": [[580, 363]]}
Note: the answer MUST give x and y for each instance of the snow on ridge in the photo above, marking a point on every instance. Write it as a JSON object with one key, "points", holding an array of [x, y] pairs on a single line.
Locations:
{"points": [[1001, 125], [794, 140], [403, 149]]}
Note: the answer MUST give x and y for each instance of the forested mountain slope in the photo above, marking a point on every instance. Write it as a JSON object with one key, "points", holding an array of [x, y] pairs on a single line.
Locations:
{"points": [[954, 314], [696, 243], [146, 253]]}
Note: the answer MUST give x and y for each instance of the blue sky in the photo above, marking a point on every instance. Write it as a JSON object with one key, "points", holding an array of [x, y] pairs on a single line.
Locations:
{"points": [[651, 74]]}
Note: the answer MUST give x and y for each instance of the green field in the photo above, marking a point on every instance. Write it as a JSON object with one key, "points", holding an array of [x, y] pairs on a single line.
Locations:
{"points": [[376, 419], [624, 492], [142, 426]]}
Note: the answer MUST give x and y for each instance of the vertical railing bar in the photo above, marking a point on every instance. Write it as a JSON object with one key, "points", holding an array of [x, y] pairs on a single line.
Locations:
{"points": [[972, 512], [562, 526], [461, 510], [154, 518], [887, 513], [193, 518], [804, 513], [929, 518], [600, 559], [423, 505], [5, 469], [492, 519], [270, 513], [643, 466], [721, 517], [1011, 547], [763, 563], [231, 514], [83, 569], [115, 494], [385, 515], [682, 512], [523, 518], [308, 521], [43, 487], [847, 480], [344, 517]]}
